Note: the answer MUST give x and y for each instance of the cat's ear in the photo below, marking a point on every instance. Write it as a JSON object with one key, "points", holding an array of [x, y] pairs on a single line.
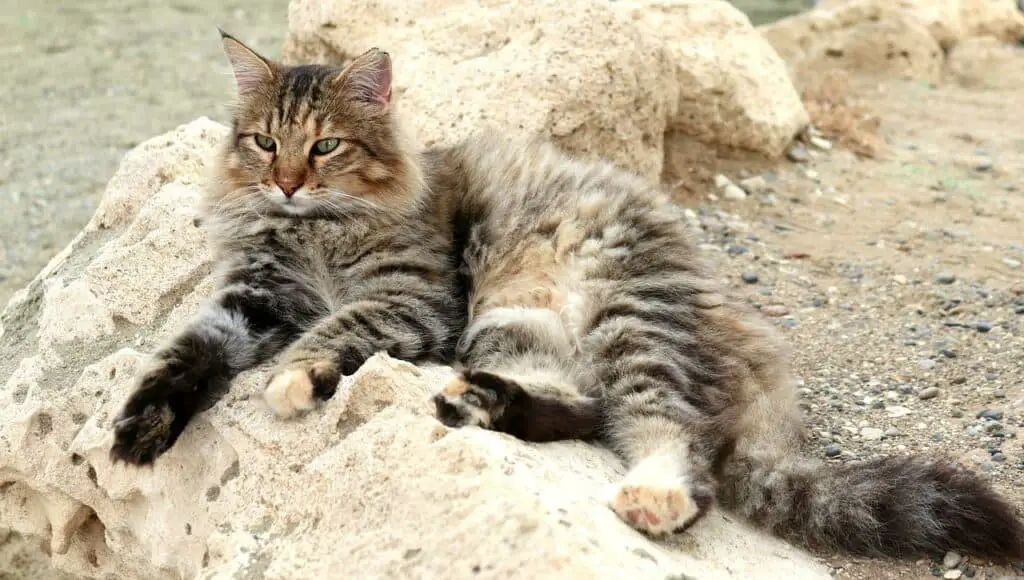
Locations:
{"points": [[367, 79], [251, 70]]}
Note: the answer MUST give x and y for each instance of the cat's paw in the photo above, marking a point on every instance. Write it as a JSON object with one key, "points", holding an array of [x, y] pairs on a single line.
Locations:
{"points": [[148, 425], [474, 398], [657, 502], [298, 386]]}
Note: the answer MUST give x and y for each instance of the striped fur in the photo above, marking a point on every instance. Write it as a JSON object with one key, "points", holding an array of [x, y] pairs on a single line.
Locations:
{"points": [[570, 296]]}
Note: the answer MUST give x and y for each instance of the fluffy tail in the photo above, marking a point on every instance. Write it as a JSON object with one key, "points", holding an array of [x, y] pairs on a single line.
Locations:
{"points": [[896, 507]]}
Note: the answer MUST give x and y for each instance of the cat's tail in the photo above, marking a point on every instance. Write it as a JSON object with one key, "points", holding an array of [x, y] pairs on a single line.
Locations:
{"points": [[891, 507]]}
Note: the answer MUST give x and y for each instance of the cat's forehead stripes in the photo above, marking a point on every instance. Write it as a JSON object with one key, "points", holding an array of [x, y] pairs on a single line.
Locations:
{"points": [[302, 92]]}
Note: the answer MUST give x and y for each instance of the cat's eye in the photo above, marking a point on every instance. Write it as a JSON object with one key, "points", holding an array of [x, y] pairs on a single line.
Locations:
{"points": [[325, 146], [265, 143]]}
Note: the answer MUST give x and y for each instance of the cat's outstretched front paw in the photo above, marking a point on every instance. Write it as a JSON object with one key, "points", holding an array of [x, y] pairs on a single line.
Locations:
{"points": [[148, 425], [296, 387], [474, 398]]}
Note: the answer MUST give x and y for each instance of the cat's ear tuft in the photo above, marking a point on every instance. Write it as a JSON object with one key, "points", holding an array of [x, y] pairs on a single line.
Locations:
{"points": [[367, 79], [251, 70]]}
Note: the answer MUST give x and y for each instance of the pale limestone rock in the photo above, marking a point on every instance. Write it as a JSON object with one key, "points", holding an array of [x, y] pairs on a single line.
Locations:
{"points": [[888, 37], [986, 63], [368, 486], [599, 78], [734, 90]]}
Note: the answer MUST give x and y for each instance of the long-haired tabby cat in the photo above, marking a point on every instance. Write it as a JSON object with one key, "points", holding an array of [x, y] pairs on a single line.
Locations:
{"points": [[568, 294]]}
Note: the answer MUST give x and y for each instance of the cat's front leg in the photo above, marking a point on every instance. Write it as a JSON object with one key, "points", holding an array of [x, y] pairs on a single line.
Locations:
{"points": [[236, 329], [412, 328]]}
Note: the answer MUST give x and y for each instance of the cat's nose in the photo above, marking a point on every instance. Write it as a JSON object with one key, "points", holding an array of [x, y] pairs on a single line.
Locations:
{"points": [[289, 186]]}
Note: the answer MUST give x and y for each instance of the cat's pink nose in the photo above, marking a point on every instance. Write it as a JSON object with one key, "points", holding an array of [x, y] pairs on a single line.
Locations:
{"points": [[289, 186]]}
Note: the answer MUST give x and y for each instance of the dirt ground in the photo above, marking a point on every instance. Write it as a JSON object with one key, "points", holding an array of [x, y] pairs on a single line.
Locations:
{"points": [[897, 280]]}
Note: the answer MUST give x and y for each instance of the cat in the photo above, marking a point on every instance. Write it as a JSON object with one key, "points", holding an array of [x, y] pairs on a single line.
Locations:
{"points": [[567, 294]]}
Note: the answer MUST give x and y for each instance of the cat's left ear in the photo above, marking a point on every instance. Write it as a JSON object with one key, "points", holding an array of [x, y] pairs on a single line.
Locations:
{"points": [[367, 79], [252, 71]]}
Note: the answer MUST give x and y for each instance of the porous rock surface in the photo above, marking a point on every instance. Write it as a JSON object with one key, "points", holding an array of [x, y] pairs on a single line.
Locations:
{"points": [[369, 486], [601, 78], [892, 38]]}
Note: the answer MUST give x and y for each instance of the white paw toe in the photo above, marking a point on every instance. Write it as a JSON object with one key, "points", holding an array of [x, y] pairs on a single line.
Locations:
{"points": [[289, 393]]}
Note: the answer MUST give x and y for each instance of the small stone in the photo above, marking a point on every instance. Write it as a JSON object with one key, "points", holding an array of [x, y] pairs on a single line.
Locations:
{"points": [[953, 574], [775, 310], [736, 250], [951, 560], [998, 457], [956, 413], [900, 279], [928, 393], [721, 181], [833, 451], [982, 326], [871, 434], [734, 192], [811, 174], [821, 143], [927, 364], [990, 414], [798, 154], [945, 278], [948, 353], [999, 394], [750, 277], [892, 432], [754, 185], [1015, 264], [1019, 309], [983, 164], [896, 411]]}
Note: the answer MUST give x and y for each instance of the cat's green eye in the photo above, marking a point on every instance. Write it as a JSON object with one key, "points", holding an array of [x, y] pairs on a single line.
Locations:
{"points": [[265, 143], [325, 146]]}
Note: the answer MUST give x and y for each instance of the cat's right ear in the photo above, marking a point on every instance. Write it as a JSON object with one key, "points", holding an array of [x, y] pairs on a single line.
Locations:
{"points": [[251, 70]]}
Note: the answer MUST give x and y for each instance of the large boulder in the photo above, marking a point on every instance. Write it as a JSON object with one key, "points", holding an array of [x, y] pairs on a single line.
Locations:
{"points": [[600, 78], [370, 486], [890, 38]]}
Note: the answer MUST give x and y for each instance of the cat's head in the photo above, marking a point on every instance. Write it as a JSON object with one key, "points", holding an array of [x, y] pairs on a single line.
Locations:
{"points": [[314, 139]]}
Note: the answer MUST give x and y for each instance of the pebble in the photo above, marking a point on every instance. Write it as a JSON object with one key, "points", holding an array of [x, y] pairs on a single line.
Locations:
{"points": [[1019, 309], [982, 326], [927, 364], [734, 192], [775, 310], [798, 154], [953, 574], [998, 457], [892, 432], [948, 353], [833, 451], [983, 164], [928, 393], [1015, 264], [945, 278], [871, 433], [750, 277], [899, 279], [990, 414], [736, 250], [821, 143], [721, 181], [951, 560], [756, 184]]}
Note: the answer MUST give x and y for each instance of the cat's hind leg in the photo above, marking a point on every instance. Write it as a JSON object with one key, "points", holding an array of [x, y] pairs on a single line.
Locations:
{"points": [[519, 377]]}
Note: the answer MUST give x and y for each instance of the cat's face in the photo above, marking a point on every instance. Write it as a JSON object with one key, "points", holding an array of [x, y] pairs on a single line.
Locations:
{"points": [[313, 140]]}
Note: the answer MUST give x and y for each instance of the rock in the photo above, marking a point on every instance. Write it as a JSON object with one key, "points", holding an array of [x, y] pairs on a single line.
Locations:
{"points": [[798, 154], [721, 181], [821, 143], [775, 310], [636, 70], [833, 451], [982, 326], [951, 560], [863, 37], [734, 192], [953, 574], [928, 393], [991, 414], [369, 485], [927, 364], [754, 185], [750, 277], [945, 278], [871, 434]]}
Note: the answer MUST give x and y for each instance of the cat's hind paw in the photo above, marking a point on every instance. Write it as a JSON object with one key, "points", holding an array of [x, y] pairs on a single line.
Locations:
{"points": [[657, 502], [474, 398], [298, 387]]}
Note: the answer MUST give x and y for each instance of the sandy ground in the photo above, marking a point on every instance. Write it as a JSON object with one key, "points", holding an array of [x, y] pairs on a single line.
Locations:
{"points": [[852, 256], [86, 81]]}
